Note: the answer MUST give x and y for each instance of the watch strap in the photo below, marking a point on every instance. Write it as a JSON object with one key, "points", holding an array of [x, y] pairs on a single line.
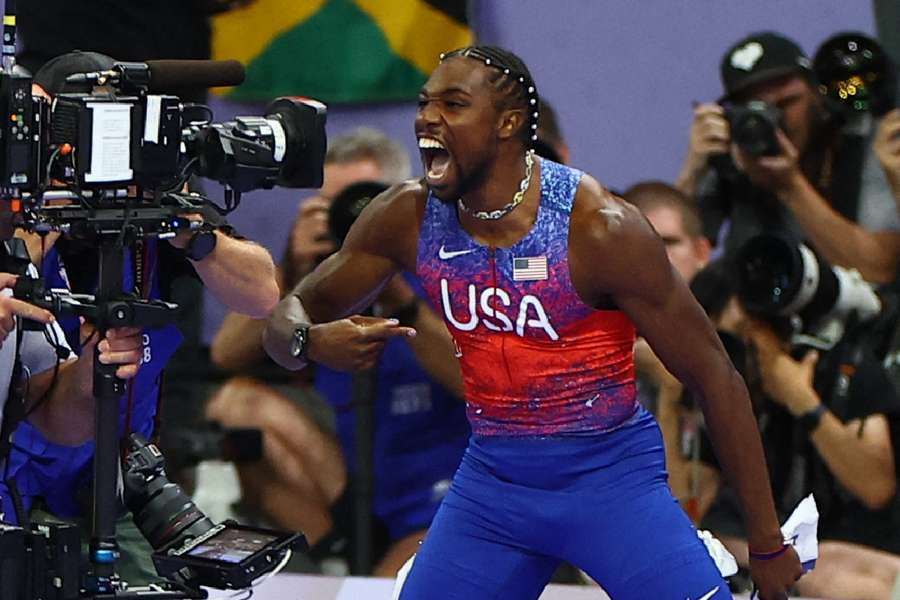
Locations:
{"points": [[810, 420], [201, 244]]}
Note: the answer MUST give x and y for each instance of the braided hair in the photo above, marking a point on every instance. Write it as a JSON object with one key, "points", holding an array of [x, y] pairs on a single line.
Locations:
{"points": [[511, 80]]}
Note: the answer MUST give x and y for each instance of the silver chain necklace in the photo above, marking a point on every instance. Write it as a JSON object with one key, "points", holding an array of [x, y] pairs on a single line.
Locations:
{"points": [[493, 215]]}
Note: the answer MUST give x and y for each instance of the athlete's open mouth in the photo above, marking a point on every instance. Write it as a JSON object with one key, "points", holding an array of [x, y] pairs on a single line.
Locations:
{"points": [[435, 158]]}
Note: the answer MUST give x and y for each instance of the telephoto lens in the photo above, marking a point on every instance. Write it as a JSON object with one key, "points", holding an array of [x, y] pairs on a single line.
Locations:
{"points": [[778, 277], [162, 511]]}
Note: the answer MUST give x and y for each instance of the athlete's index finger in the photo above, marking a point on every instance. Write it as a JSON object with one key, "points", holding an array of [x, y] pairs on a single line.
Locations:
{"points": [[377, 328]]}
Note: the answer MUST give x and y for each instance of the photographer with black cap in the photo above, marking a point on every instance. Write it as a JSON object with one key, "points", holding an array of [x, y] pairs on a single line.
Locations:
{"points": [[773, 156], [238, 272]]}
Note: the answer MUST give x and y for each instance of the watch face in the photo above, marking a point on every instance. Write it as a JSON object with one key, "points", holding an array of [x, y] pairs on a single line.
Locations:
{"points": [[298, 341]]}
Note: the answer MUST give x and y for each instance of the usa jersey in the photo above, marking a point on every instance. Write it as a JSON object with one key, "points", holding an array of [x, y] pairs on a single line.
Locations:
{"points": [[535, 359]]}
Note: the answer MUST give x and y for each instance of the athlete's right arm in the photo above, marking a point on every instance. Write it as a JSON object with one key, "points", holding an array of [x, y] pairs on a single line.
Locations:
{"points": [[381, 242]]}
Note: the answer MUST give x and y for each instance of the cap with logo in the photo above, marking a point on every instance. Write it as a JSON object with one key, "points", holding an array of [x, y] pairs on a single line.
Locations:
{"points": [[760, 57]]}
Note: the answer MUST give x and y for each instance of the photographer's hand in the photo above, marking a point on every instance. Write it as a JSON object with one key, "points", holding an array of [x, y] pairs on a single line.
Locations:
{"points": [[710, 135], [779, 174], [10, 308], [887, 148], [64, 412], [122, 346], [786, 381], [309, 240]]}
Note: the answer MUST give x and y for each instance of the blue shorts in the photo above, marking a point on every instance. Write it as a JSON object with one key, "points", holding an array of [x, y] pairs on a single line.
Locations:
{"points": [[520, 506]]}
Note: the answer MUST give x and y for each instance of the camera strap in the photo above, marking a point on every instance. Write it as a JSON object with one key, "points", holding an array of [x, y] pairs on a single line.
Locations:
{"points": [[846, 175], [13, 259], [144, 263]]}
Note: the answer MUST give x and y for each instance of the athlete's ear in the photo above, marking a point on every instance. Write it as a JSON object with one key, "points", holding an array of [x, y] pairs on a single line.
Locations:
{"points": [[511, 120]]}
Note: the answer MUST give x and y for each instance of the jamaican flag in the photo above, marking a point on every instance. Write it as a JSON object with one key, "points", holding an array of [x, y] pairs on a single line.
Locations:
{"points": [[338, 50]]}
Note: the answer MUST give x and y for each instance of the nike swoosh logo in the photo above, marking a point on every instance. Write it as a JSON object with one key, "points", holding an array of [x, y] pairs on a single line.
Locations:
{"points": [[709, 594], [445, 254]]}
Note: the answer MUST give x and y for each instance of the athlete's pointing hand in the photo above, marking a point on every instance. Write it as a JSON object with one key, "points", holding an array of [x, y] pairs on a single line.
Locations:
{"points": [[354, 343]]}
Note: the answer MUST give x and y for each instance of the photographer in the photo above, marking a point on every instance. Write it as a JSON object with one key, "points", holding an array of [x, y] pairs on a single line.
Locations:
{"points": [[239, 273], [812, 178], [829, 422], [44, 387]]}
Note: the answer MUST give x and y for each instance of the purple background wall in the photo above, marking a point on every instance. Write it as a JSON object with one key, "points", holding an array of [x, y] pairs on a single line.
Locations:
{"points": [[622, 75]]}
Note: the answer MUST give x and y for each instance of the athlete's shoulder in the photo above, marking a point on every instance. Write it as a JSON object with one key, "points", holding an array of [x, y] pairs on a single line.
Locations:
{"points": [[389, 224], [603, 217]]}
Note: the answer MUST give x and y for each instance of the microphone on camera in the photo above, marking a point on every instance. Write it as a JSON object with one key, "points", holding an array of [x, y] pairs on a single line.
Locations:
{"points": [[165, 76]]}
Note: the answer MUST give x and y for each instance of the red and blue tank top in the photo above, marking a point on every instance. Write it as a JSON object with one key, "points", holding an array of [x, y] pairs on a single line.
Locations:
{"points": [[535, 359]]}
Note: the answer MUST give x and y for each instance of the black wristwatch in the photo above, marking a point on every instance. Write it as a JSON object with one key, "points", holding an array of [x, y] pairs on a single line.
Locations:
{"points": [[810, 420], [201, 244], [407, 313], [300, 342]]}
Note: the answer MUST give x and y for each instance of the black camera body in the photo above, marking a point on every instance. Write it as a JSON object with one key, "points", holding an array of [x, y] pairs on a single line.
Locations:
{"points": [[189, 548], [22, 131], [754, 127], [41, 561]]}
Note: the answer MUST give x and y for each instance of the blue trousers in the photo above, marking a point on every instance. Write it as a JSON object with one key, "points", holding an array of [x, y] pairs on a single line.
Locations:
{"points": [[520, 506]]}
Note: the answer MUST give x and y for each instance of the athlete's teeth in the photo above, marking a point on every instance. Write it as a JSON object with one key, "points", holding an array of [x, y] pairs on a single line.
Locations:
{"points": [[430, 143]]}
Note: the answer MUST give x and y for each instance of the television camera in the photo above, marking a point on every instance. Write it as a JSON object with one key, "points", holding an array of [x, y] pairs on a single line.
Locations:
{"points": [[106, 160]]}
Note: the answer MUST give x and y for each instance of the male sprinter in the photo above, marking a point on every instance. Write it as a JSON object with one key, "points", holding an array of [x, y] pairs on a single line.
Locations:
{"points": [[542, 277]]}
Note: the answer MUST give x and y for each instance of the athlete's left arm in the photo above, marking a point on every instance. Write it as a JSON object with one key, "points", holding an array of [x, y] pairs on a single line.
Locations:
{"points": [[636, 274]]}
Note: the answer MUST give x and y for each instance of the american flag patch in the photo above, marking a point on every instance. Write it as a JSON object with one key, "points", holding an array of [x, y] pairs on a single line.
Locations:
{"points": [[532, 268]]}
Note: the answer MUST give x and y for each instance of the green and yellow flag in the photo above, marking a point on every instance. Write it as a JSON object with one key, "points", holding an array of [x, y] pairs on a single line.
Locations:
{"points": [[339, 50]]}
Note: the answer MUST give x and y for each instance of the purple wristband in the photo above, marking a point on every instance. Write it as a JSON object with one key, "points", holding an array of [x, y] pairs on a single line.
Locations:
{"points": [[768, 555]]}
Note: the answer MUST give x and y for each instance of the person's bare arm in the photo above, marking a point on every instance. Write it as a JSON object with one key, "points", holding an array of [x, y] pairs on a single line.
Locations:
{"points": [[887, 148], [237, 344], [65, 412], [637, 275], [240, 273], [709, 135], [875, 254], [860, 458], [381, 242]]}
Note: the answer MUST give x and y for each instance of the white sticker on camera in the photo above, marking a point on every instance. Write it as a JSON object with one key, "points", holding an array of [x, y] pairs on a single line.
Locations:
{"points": [[151, 123], [280, 139], [110, 143]]}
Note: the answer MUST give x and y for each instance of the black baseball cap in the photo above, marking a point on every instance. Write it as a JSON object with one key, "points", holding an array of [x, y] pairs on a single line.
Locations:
{"points": [[760, 57], [52, 76]]}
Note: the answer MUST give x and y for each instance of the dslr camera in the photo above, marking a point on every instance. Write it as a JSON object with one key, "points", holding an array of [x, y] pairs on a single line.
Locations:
{"points": [[753, 127], [189, 547]]}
